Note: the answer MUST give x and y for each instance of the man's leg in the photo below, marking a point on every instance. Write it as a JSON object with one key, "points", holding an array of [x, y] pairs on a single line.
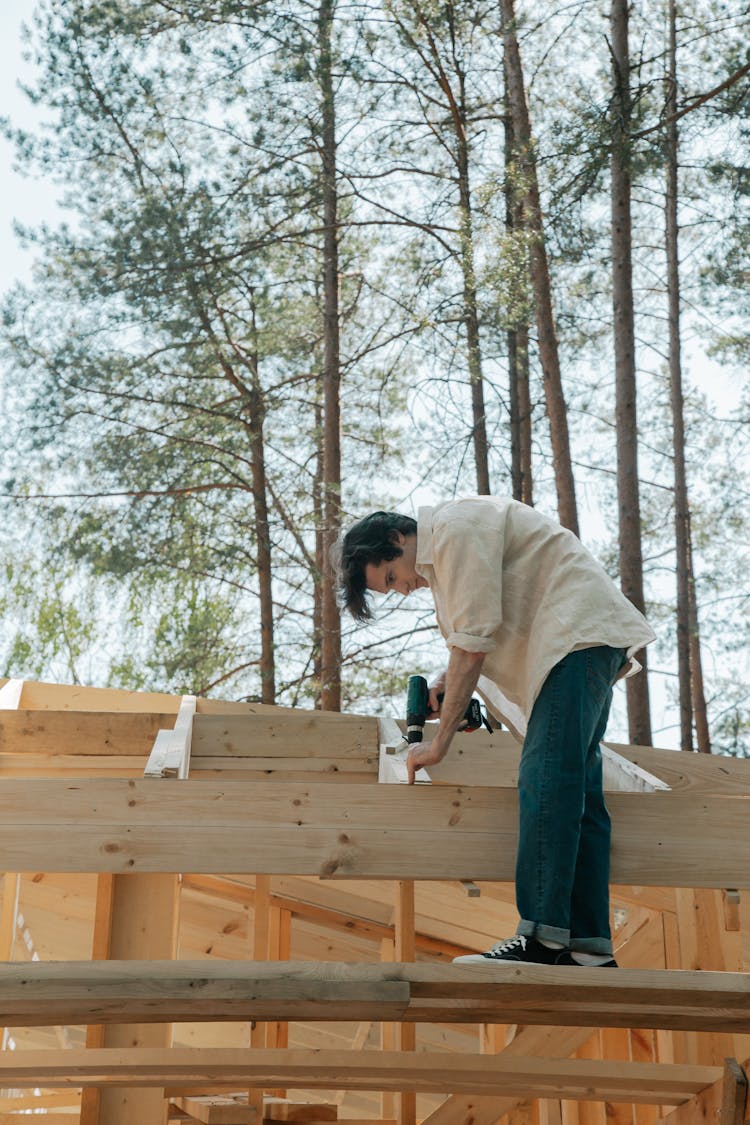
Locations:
{"points": [[566, 720], [589, 910]]}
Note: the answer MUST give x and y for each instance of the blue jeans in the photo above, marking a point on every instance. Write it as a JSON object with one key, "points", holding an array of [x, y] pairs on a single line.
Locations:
{"points": [[562, 867]]}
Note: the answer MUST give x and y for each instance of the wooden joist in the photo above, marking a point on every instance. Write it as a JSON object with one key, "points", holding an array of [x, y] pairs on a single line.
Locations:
{"points": [[360, 1070], [347, 831], [50, 993]]}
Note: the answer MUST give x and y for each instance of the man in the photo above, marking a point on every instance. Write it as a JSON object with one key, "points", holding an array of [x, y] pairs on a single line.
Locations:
{"points": [[536, 625]]}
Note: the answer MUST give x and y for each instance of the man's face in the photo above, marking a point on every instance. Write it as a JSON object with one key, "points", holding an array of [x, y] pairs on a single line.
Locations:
{"points": [[399, 574]]}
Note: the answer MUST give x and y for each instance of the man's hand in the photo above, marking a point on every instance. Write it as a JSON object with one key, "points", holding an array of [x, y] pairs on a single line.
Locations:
{"points": [[436, 688], [459, 680], [423, 754]]}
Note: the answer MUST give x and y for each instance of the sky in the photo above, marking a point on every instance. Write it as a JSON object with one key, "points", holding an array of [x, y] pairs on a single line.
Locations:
{"points": [[32, 201]]}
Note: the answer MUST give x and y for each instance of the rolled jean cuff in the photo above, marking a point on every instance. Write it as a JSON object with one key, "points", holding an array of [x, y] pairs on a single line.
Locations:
{"points": [[543, 932], [592, 945]]}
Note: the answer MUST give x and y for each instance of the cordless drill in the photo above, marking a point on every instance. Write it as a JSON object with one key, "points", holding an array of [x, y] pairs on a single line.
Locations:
{"points": [[418, 705]]}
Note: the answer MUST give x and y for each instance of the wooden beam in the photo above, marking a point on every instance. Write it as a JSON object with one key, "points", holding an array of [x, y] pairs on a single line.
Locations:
{"points": [[286, 732], [50, 993], [709, 774], [347, 831], [217, 1110], [77, 734], [439, 1072]]}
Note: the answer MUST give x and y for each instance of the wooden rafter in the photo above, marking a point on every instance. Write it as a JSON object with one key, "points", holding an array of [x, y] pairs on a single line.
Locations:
{"points": [[157, 991], [363, 1070]]}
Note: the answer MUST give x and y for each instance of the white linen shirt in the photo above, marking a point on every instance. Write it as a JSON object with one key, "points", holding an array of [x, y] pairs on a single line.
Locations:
{"points": [[512, 583]]}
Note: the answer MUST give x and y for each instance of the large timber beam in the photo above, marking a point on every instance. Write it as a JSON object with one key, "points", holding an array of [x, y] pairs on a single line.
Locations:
{"points": [[347, 830], [441, 1072], [74, 992]]}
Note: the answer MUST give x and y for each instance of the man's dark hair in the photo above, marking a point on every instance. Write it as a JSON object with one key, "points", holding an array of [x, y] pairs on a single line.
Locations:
{"points": [[370, 540]]}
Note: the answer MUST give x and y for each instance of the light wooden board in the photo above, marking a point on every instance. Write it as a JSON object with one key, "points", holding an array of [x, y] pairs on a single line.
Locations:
{"points": [[705, 773], [81, 733], [141, 991], [291, 734], [348, 831], [386, 1070]]}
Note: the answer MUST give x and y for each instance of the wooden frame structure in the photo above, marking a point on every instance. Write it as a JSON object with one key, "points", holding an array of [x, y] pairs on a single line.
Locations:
{"points": [[229, 913]]}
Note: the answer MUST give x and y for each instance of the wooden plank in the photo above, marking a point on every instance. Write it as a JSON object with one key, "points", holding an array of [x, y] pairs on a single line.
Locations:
{"points": [[170, 754], [289, 733], [49, 1119], [39, 696], [349, 768], [347, 831], [49, 993], [22, 1103], [282, 1109], [215, 1109], [440, 1072], [710, 774], [59, 734]]}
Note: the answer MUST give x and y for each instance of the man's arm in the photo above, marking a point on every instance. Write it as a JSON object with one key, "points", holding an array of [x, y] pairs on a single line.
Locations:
{"points": [[462, 675]]}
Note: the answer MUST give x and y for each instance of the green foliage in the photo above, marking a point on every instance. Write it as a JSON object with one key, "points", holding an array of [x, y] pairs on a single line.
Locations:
{"points": [[173, 330]]}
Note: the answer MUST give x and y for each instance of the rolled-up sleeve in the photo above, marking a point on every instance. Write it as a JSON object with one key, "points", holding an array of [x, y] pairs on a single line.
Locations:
{"points": [[468, 566]]}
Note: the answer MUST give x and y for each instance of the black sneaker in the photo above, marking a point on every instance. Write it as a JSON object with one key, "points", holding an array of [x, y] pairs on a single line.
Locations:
{"points": [[518, 948]]}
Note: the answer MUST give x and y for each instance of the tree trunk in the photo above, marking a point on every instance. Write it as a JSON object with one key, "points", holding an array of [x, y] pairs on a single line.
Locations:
{"points": [[518, 351], [263, 540], [698, 695], [681, 516], [256, 420], [631, 560], [539, 270], [471, 314], [318, 517], [689, 669], [330, 689]]}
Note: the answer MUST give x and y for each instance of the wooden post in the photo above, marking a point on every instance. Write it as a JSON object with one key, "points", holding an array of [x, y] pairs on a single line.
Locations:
{"points": [[260, 951], [734, 1094], [100, 947], [590, 1112], [136, 918], [8, 923], [705, 944], [387, 1038], [615, 1044], [405, 950]]}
